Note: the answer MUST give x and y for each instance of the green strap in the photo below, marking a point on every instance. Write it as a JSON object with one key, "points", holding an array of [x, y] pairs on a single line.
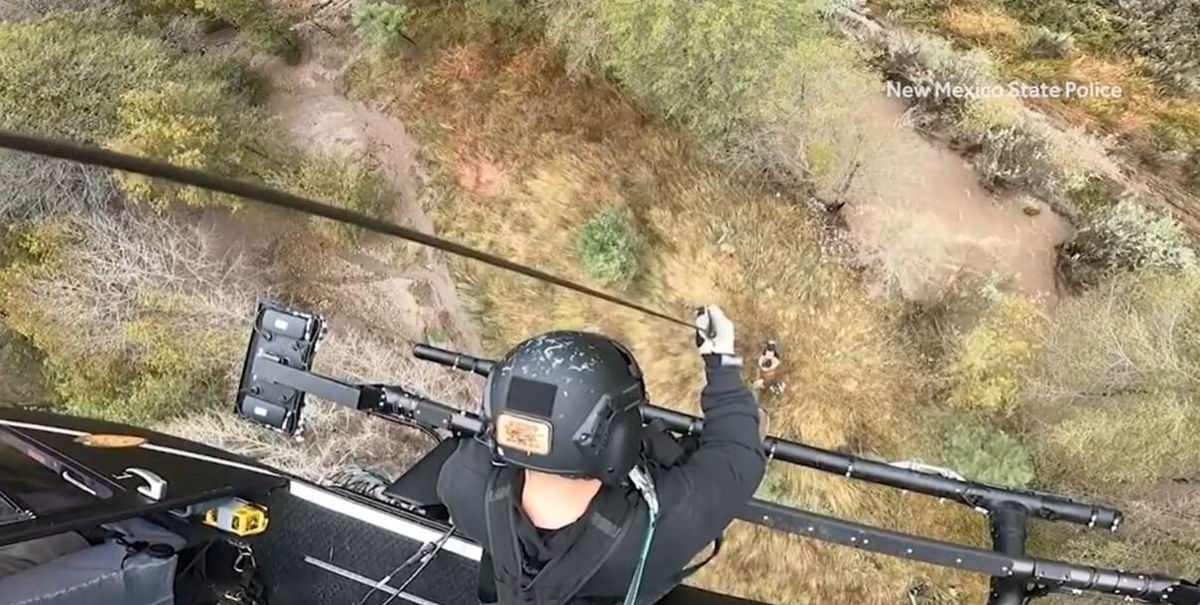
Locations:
{"points": [[641, 479]]}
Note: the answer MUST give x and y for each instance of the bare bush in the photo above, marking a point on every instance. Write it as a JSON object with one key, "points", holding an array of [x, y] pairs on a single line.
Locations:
{"points": [[1124, 336], [1016, 158], [124, 256], [35, 187], [574, 26], [365, 357], [805, 127], [136, 317]]}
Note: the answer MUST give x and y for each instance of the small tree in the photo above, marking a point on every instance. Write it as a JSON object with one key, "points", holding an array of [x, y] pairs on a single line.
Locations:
{"points": [[986, 453], [195, 127], [381, 23], [701, 61], [994, 359], [607, 248]]}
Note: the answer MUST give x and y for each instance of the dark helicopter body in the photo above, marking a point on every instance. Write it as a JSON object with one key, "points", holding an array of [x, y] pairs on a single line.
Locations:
{"points": [[322, 545]]}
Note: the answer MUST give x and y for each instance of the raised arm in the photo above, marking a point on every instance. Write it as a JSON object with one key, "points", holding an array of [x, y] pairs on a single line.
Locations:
{"points": [[704, 494]]}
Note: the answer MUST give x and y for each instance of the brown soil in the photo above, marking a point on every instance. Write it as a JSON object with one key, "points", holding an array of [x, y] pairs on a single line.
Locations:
{"points": [[919, 214], [318, 118]]}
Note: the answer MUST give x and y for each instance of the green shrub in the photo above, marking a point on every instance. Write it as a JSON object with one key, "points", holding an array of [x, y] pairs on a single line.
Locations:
{"points": [[985, 115], [607, 248], [101, 81], [1014, 157], [257, 23], [702, 61], [347, 182], [985, 453], [1045, 43], [993, 359], [382, 24], [702, 64], [1167, 34], [1164, 33], [927, 61], [1091, 21], [1092, 194], [196, 127], [65, 76], [1127, 237]]}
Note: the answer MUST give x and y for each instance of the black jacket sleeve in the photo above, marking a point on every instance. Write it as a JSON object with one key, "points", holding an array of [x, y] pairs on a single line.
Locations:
{"points": [[462, 484], [702, 496]]}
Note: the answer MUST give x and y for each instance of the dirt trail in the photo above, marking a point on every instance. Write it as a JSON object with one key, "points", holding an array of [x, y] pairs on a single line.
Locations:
{"points": [[416, 298], [918, 212]]}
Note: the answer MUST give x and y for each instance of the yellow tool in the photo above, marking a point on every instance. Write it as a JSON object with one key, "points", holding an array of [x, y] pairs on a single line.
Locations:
{"points": [[238, 517]]}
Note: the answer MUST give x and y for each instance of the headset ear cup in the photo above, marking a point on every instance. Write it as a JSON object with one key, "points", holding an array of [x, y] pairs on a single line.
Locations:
{"points": [[623, 449]]}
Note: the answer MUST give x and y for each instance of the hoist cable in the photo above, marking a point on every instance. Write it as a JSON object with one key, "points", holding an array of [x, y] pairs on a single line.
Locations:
{"points": [[97, 156]]}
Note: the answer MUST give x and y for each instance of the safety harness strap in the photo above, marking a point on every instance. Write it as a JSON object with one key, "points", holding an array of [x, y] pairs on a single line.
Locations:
{"points": [[563, 577]]}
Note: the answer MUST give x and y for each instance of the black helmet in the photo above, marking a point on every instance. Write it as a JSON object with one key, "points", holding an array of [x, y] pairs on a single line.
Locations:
{"points": [[567, 403]]}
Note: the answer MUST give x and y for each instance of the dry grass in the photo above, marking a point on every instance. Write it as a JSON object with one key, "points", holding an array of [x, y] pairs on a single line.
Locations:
{"points": [[982, 24], [334, 439], [569, 149]]}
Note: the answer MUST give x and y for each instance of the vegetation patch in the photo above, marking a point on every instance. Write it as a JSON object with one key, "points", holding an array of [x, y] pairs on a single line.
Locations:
{"points": [[348, 182], [701, 64], [608, 247], [198, 127], [1114, 385], [1045, 43], [573, 148], [103, 81], [143, 321], [382, 24], [986, 453], [258, 25], [1127, 237], [994, 358]]}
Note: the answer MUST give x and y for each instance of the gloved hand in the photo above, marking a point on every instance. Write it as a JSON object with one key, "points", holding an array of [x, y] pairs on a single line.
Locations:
{"points": [[715, 331]]}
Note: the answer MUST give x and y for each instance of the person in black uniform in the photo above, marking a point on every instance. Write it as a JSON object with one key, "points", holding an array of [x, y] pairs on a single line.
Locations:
{"points": [[563, 492]]}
